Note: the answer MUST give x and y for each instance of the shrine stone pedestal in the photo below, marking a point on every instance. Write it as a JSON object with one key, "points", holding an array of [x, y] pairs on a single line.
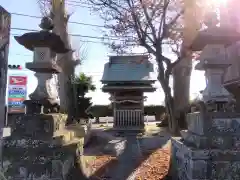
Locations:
{"points": [[209, 149], [41, 147]]}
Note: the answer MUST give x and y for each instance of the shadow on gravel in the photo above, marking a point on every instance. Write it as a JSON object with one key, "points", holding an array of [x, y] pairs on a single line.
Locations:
{"points": [[136, 151]]}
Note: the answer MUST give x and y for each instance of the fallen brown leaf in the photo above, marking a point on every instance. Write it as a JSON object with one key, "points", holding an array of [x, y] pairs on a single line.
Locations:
{"points": [[156, 166]]}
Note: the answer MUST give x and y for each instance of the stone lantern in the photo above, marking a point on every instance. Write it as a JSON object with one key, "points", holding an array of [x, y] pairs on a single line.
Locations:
{"points": [[209, 148], [45, 45], [213, 61], [41, 146], [213, 42]]}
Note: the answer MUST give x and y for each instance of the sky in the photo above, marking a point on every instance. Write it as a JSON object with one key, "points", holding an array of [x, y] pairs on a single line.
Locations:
{"points": [[97, 53]]}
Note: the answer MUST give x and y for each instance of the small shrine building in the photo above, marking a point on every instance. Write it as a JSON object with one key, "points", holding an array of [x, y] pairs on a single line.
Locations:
{"points": [[126, 78]]}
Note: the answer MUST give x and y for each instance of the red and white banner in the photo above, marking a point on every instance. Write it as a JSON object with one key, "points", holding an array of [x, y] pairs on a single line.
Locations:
{"points": [[18, 80], [17, 93]]}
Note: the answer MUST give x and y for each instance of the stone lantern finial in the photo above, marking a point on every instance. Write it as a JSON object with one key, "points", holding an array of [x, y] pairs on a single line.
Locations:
{"points": [[46, 24]]}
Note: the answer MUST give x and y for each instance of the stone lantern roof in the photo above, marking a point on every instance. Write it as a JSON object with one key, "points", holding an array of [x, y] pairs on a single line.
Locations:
{"points": [[43, 38], [214, 34]]}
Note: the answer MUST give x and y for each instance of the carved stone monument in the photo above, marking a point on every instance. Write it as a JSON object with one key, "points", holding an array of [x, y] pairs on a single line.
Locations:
{"points": [[41, 146], [209, 148]]}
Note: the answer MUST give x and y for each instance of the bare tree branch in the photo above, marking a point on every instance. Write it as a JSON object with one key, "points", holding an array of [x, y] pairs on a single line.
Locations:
{"points": [[149, 20]]}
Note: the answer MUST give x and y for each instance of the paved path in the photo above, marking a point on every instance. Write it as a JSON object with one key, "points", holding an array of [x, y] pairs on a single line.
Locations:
{"points": [[131, 157], [127, 161]]}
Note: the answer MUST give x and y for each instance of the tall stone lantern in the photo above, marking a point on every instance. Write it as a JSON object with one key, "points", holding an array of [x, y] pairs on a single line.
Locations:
{"points": [[213, 42], [210, 148], [45, 45], [41, 146]]}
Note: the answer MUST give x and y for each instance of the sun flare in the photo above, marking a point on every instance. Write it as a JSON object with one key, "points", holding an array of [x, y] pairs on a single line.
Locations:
{"points": [[218, 2]]}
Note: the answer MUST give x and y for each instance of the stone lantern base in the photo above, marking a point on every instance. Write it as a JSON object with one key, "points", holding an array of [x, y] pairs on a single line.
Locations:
{"points": [[41, 147], [41, 106], [209, 149]]}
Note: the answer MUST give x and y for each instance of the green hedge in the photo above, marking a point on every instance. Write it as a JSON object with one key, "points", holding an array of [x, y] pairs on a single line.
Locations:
{"points": [[106, 110]]}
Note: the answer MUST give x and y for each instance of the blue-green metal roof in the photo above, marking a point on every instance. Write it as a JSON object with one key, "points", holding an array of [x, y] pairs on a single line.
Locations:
{"points": [[128, 71]]}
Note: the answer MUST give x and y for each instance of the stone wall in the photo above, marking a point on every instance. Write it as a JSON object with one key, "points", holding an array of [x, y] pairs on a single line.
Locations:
{"points": [[209, 149], [40, 148]]}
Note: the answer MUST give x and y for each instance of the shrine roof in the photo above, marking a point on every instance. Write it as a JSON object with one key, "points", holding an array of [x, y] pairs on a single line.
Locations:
{"points": [[128, 69]]}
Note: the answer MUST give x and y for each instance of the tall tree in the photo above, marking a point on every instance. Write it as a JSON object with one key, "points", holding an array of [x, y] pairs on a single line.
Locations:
{"points": [[154, 25], [65, 61], [192, 18]]}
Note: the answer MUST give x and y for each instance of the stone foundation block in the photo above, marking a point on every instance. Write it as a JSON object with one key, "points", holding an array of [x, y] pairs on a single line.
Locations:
{"points": [[214, 141], [189, 163], [214, 122], [41, 160], [38, 125]]}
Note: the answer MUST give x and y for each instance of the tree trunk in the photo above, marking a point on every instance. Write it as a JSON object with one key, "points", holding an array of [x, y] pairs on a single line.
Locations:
{"points": [[181, 89], [65, 60], [169, 104], [172, 121]]}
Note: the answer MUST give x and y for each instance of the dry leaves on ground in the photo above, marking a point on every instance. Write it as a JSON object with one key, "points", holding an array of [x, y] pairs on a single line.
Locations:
{"points": [[156, 166], [101, 164]]}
